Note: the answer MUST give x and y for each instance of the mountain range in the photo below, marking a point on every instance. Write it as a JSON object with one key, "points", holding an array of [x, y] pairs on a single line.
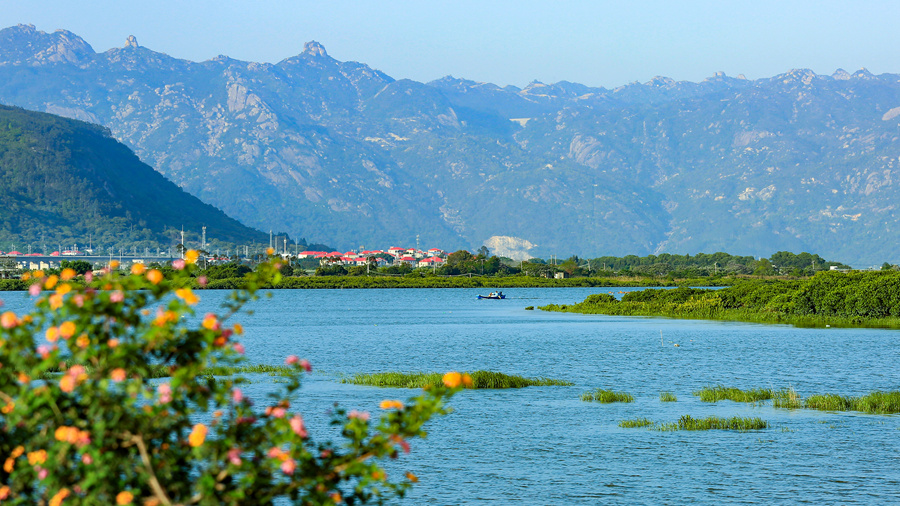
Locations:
{"points": [[342, 153]]}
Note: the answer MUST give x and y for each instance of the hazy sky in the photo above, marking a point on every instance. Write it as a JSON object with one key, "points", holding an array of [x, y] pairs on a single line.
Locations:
{"points": [[597, 43]]}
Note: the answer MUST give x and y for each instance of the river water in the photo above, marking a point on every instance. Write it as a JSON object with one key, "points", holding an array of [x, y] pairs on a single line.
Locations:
{"points": [[543, 445]]}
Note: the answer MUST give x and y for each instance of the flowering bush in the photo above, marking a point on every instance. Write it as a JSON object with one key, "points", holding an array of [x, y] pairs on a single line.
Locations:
{"points": [[82, 423]]}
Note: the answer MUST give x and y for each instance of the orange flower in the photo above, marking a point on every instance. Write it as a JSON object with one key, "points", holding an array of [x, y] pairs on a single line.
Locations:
{"points": [[82, 341], [4, 492], [56, 301], [57, 499], [138, 269], [210, 322], [9, 464], [187, 295], [452, 379], [112, 343], [124, 497], [238, 329], [270, 251], [38, 457], [114, 264], [198, 435], [17, 452], [51, 281], [26, 276], [23, 378], [117, 374], [154, 276], [7, 409], [67, 274], [387, 404], [67, 330], [67, 384], [63, 289], [412, 478], [52, 334], [191, 256], [9, 320], [467, 381]]}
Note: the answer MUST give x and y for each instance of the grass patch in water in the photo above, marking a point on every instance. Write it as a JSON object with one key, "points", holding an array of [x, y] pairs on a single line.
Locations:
{"points": [[607, 396], [667, 397], [637, 422], [880, 403], [787, 398], [687, 422], [480, 380], [721, 393]]}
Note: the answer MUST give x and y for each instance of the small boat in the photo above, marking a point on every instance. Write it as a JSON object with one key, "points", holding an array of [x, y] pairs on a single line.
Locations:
{"points": [[493, 295]]}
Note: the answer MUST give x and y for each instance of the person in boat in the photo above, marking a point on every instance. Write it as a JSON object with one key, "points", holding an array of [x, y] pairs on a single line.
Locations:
{"points": [[492, 294]]}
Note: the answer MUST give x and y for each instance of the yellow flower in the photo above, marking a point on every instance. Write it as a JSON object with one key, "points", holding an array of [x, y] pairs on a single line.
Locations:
{"points": [[82, 341], [51, 281], [63, 289], [238, 329], [187, 295], [26, 276], [67, 274], [387, 404], [210, 322], [154, 276], [452, 379], [198, 435], [138, 269], [67, 330], [52, 334], [124, 497], [191, 256], [114, 264]]}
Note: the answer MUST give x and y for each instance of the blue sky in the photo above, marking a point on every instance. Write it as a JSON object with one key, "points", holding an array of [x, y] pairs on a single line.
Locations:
{"points": [[595, 43]]}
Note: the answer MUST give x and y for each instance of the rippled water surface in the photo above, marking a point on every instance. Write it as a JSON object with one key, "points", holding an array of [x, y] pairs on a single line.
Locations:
{"points": [[542, 445]]}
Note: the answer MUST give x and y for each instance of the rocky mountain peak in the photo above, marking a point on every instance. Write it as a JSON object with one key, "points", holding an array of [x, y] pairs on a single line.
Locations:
{"points": [[131, 41], [841, 75], [313, 48]]}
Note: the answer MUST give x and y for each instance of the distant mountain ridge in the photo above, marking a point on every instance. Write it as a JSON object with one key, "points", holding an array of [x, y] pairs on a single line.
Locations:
{"points": [[64, 182], [342, 153]]}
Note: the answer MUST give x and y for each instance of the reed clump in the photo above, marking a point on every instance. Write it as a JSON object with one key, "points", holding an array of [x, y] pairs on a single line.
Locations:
{"points": [[635, 423], [687, 422], [876, 403], [480, 380], [722, 393], [607, 396], [667, 397], [787, 398]]}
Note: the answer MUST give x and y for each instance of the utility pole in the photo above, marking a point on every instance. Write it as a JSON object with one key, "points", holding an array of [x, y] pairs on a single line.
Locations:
{"points": [[182, 242], [203, 241]]}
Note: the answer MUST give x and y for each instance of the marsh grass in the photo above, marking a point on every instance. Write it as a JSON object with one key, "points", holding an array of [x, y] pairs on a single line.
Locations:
{"points": [[687, 422], [667, 397], [480, 380], [880, 403], [607, 396], [787, 398], [637, 422], [721, 393]]}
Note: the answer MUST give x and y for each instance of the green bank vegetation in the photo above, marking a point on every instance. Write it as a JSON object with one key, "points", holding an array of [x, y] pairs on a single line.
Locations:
{"points": [[845, 299], [480, 380]]}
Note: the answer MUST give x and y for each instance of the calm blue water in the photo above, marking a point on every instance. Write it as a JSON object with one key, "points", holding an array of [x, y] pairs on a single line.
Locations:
{"points": [[542, 445]]}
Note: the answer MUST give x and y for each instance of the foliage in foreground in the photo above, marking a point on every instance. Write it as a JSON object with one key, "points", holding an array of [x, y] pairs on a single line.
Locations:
{"points": [[107, 434], [479, 380]]}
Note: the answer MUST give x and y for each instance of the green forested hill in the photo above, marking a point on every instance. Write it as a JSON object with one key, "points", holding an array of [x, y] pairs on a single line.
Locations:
{"points": [[66, 182]]}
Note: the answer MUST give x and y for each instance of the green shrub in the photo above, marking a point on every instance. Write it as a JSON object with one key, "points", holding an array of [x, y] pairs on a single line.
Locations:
{"points": [[106, 434]]}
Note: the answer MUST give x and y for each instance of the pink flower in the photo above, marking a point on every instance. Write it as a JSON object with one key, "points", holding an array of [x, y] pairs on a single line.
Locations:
{"points": [[234, 456], [178, 264], [88, 276], [34, 289], [238, 347], [275, 452], [78, 299], [43, 351], [298, 427], [165, 393], [275, 412], [306, 365], [291, 360], [87, 459], [288, 466], [360, 415], [237, 396], [42, 473], [117, 296], [202, 281]]}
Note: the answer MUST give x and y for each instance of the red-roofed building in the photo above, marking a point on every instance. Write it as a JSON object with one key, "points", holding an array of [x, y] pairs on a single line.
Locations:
{"points": [[431, 262]]}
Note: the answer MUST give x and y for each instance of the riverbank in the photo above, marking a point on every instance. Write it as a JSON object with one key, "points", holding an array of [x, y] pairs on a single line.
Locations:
{"points": [[831, 299]]}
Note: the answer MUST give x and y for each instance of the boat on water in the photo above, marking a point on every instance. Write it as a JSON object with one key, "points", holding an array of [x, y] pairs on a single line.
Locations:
{"points": [[493, 295]]}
